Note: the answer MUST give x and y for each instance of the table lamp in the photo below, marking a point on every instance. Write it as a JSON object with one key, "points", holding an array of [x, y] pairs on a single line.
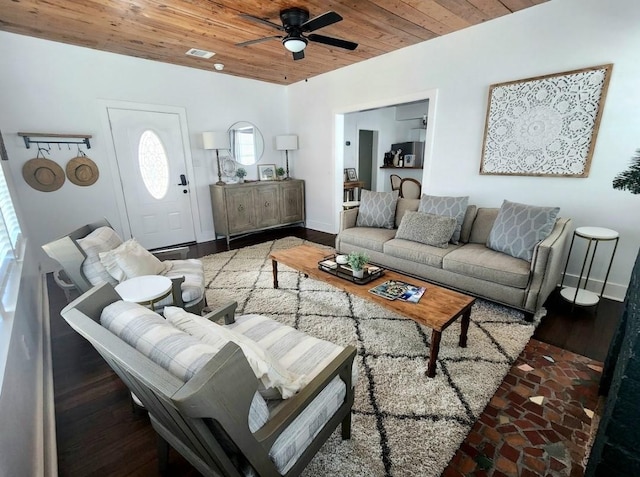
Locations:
{"points": [[216, 140], [287, 143]]}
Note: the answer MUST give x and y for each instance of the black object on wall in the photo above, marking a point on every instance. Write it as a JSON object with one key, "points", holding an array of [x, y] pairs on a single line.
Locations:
{"points": [[616, 448]]}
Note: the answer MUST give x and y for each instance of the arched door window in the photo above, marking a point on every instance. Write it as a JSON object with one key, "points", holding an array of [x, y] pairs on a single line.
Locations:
{"points": [[154, 165]]}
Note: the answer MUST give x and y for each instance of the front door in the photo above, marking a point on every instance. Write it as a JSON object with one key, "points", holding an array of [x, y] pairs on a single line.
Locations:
{"points": [[151, 162]]}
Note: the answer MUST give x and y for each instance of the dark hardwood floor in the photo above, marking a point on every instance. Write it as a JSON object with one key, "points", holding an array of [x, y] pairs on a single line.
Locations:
{"points": [[99, 435]]}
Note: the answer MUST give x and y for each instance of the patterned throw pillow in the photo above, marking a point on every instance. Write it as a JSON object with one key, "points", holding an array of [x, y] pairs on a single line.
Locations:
{"points": [[429, 229], [519, 227], [176, 351], [447, 206], [100, 240], [377, 209]]}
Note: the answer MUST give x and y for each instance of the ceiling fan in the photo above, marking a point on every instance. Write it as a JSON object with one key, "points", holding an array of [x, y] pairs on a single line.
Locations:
{"points": [[295, 22]]}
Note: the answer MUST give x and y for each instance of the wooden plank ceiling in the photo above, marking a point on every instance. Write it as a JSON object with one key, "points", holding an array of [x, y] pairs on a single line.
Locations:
{"points": [[163, 30]]}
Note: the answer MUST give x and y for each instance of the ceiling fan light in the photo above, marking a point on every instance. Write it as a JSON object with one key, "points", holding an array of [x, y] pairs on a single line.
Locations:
{"points": [[294, 44]]}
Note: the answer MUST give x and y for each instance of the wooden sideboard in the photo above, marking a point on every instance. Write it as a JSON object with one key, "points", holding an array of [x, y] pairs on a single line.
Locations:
{"points": [[240, 209]]}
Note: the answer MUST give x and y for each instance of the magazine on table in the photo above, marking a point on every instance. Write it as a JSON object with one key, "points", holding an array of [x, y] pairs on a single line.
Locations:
{"points": [[399, 290]]}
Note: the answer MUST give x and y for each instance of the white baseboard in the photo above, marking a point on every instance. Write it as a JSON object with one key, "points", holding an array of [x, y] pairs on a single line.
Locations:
{"points": [[207, 236], [613, 291], [49, 446], [319, 226]]}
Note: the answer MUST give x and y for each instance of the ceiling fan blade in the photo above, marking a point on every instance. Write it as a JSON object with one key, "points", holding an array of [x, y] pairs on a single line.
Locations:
{"points": [[298, 55], [327, 40], [320, 21], [262, 20], [259, 40]]}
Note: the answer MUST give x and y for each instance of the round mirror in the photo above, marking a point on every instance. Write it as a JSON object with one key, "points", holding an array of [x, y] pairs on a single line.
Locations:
{"points": [[247, 144]]}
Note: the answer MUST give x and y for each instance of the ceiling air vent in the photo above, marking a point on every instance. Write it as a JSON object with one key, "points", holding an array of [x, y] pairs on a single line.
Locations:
{"points": [[200, 53]]}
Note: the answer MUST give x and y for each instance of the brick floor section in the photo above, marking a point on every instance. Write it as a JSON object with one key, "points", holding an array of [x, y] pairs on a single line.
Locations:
{"points": [[516, 436]]}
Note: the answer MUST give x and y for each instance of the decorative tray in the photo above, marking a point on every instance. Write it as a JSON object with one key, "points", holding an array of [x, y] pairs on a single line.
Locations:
{"points": [[329, 265]]}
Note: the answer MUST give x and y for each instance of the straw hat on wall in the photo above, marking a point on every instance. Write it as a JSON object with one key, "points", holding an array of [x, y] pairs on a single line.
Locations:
{"points": [[43, 174], [82, 171]]}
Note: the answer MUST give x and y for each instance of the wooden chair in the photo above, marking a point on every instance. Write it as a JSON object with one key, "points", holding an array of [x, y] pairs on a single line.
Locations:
{"points": [[395, 181], [85, 271], [410, 188], [207, 418]]}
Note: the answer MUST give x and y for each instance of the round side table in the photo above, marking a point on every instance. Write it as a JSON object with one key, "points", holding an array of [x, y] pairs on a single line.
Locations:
{"points": [[145, 289], [351, 204], [579, 295]]}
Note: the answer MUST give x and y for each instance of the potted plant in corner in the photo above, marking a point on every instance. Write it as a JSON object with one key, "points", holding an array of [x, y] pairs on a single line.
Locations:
{"points": [[240, 173], [280, 173], [357, 261]]}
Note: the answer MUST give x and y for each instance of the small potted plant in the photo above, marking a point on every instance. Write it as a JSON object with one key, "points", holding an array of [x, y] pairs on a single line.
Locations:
{"points": [[280, 172], [357, 261], [240, 173]]}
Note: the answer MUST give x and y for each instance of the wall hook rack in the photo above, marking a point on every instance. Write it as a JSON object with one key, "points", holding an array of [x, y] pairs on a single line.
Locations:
{"points": [[28, 141]]}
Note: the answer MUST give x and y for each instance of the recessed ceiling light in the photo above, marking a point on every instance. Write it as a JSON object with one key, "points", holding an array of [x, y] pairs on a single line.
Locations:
{"points": [[218, 66], [200, 53]]}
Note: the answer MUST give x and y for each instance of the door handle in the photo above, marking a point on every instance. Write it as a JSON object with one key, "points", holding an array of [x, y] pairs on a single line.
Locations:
{"points": [[183, 180]]}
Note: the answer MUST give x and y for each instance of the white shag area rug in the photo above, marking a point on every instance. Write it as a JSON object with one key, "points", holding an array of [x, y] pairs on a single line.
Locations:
{"points": [[404, 424]]}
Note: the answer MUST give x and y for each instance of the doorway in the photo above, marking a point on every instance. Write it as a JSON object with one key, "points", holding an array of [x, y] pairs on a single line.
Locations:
{"points": [[366, 158], [151, 163]]}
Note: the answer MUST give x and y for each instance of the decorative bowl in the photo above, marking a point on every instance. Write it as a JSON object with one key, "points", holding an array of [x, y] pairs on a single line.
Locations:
{"points": [[341, 259]]}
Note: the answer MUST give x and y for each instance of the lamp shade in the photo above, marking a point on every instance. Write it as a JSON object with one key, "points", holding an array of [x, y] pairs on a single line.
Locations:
{"points": [[215, 140], [287, 143]]}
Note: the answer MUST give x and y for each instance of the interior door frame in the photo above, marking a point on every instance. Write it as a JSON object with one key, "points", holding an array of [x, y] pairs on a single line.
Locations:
{"points": [[104, 106]]}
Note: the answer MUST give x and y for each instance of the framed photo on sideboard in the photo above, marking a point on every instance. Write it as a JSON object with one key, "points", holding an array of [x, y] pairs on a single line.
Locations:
{"points": [[267, 172]]}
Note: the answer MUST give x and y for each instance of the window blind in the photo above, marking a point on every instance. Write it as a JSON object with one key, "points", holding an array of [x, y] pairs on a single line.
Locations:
{"points": [[10, 233]]}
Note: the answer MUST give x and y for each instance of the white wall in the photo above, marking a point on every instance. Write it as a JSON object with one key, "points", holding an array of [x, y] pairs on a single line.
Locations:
{"points": [[57, 88], [557, 36]]}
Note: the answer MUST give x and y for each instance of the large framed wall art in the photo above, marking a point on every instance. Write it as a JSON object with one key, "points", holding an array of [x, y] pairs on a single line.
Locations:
{"points": [[545, 126]]}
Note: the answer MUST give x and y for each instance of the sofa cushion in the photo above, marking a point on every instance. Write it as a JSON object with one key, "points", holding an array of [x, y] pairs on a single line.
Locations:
{"points": [[156, 338], [377, 209], [429, 229], [294, 440], [367, 237], [467, 223], [100, 240], [299, 352], [447, 206], [403, 206], [193, 285], [482, 225], [478, 261], [179, 353], [277, 382], [519, 227], [417, 252]]}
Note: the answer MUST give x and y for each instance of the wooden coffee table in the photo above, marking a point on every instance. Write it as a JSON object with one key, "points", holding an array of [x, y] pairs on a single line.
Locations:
{"points": [[437, 309]]}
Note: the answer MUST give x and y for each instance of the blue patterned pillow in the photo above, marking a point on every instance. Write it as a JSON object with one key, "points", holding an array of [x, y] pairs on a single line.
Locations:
{"points": [[377, 209], [519, 227], [447, 206]]}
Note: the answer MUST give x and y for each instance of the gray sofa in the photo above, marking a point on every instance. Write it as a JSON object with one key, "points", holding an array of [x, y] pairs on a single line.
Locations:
{"points": [[470, 266]]}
